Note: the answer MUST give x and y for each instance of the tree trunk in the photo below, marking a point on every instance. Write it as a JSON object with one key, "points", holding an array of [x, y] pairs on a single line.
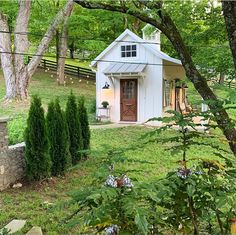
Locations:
{"points": [[34, 62], [62, 52], [167, 26], [229, 11], [57, 45], [6, 59], [21, 47], [222, 78], [136, 25], [72, 49]]}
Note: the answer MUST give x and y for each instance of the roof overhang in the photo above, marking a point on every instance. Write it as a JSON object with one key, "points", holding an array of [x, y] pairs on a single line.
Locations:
{"points": [[125, 69]]}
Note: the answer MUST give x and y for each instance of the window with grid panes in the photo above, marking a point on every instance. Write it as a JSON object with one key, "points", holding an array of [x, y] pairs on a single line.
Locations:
{"points": [[128, 51]]}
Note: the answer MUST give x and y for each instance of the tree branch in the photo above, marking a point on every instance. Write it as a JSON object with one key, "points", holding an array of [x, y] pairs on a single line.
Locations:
{"points": [[32, 66]]}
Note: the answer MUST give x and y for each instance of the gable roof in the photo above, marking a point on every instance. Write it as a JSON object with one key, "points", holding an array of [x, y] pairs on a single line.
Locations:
{"points": [[136, 38]]}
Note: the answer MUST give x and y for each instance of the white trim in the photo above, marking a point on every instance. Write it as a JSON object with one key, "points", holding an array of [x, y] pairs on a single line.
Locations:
{"points": [[139, 40]]}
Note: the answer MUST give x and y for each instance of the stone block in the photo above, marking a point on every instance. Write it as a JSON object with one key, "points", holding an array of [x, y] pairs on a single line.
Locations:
{"points": [[15, 225], [35, 231]]}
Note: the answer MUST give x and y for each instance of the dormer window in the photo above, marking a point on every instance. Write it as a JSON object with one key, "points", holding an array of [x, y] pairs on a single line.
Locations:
{"points": [[128, 51]]}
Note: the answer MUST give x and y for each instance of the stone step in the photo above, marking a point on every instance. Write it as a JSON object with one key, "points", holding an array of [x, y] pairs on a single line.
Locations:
{"points": [[35, 231], [15, 225]]}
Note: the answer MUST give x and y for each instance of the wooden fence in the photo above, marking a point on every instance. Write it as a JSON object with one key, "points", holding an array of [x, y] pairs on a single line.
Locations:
{"points": [[69, 69], [231, 84], [228, 83]]}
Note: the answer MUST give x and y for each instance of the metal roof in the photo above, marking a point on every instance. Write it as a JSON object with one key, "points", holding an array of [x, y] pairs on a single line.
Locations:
{"points": [[126, 67]]}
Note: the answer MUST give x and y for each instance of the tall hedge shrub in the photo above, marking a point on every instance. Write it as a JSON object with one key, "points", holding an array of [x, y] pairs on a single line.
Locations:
{"points": [[83, 117], [58, 138], [38, 162], [74, 128]]}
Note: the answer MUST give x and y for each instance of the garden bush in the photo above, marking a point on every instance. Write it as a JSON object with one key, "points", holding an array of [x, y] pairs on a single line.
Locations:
{"points": [[74, 128], [38, 163], [16, 128], [58, 138], [83, 118]]}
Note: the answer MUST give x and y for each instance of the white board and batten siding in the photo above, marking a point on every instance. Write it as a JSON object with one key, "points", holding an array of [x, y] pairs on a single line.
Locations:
{"points": [[150, 84]]}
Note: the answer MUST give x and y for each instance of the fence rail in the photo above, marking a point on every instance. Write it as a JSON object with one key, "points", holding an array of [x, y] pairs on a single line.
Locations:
{"points": [[230, 84], [69, 69], [227, 83]]}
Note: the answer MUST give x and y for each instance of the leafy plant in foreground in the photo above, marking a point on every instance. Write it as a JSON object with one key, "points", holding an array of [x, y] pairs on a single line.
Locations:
{"points": [[198, 197], [116, 204], [194, 192]]}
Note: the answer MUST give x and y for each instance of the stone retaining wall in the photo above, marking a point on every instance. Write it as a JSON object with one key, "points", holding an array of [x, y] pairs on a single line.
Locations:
{"points": [[12, 162]]}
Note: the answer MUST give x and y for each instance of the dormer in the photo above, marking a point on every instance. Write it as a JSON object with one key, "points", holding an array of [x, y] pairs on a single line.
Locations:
{"points": [[152, 35]]}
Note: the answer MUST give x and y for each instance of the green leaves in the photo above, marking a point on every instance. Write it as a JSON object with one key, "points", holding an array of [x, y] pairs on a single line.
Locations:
{"points": [[141, 222]]}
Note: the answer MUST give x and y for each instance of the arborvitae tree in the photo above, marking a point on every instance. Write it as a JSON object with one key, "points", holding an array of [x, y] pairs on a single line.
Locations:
{"points": [[38, 162], [74, 127], [67, 137], [83, 117], [58, 138]]}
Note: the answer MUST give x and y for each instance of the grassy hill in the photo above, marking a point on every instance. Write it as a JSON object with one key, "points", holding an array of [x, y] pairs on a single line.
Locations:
{"points": [[44, 85]]}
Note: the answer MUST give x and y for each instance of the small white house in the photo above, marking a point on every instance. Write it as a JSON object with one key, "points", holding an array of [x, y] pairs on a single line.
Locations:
{"points": [[137, 79]]}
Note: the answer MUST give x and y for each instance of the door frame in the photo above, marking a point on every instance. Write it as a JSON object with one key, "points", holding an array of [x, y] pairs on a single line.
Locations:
{"points": [[136, 103]]}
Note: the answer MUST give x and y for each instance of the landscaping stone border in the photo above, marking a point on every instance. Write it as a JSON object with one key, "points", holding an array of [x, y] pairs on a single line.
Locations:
{"points": [[12, 161]]}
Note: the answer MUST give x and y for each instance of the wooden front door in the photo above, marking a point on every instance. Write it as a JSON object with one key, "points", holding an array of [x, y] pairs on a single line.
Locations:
{"points": [[128, 100]]}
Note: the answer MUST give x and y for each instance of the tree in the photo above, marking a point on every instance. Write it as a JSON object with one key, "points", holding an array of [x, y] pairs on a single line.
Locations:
{"points": [[62, 51], [229, 10], [38, 163], [74, 128], [16, 73], [88, 38], [58, 138], [83, 117], [154, 13]]}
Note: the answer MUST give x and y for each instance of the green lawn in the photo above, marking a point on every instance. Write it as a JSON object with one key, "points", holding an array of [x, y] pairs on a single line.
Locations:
{"points": [[75, 62], [29, 201], [222, 93]]}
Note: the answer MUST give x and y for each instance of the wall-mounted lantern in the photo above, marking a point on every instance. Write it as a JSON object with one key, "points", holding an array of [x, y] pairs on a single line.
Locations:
{"points": [[106, 86], [177, 84], [184, 85]]}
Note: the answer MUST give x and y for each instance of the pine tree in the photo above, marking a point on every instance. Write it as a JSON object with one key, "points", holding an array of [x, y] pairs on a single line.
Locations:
{"points": [[38, 163], [83, 116], [74, 127], [58, 138]]}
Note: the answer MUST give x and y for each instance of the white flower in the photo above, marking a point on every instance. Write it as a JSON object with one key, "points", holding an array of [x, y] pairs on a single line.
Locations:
{"points": [[127, 182], [112, 230], [183, 173], [111, 181]]}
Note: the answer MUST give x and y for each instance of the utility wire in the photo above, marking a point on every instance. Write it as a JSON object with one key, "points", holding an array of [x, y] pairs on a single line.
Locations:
{"points": [[106, 61], [108, 41]]}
